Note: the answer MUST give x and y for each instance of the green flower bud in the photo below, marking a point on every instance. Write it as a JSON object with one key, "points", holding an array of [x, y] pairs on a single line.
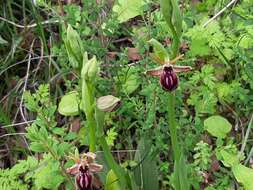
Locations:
{"points": [[90, 68], [74, 47]]}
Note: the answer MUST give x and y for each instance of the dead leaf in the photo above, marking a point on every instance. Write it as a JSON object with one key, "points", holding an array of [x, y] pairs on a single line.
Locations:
{"points": [[215, 165], [133, 54], [75, 125], [112, 55]]}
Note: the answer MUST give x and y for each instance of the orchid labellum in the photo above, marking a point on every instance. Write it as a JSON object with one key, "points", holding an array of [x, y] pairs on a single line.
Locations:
{"points": [[83, 170], [168, 73]]}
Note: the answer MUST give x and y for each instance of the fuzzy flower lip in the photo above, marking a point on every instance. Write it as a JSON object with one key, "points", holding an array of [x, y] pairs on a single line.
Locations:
{"points": [[86, 161]]}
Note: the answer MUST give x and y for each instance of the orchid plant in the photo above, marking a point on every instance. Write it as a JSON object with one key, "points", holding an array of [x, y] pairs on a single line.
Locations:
{"points": [[169, 82]]}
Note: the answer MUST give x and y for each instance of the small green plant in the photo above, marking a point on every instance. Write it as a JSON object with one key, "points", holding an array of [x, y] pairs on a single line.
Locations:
{"points": [[202, 157], [48, 139]]}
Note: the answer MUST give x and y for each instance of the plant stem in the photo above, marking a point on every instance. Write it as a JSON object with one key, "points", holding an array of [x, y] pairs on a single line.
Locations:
{"points": [[173, 127], [119, 172], [117, 169], [92, 132], [89, 103]]}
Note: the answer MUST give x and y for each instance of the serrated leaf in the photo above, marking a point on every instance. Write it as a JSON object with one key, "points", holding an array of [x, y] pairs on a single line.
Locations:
{"points": [[199, 47], [68, 105], [217, 126], [127, 9], [49, 177], [37, 147], [58, 131], [70, 136]]}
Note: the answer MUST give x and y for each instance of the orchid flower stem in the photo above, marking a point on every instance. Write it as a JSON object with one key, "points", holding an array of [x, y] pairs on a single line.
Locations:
{"points": [[92, 126], [120, 173], [88, 96], [173, 127]]}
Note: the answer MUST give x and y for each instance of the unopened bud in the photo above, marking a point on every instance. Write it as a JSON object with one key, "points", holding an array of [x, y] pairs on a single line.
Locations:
{"points": [[74, 47], [90, 68], [108, 103]]}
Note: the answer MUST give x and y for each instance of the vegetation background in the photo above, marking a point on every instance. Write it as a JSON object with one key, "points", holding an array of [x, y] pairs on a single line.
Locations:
{"points": [[41, 123]]}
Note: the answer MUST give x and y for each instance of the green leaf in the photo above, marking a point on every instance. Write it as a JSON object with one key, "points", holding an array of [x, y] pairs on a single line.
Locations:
{"points": [[59, 131], [243, 175], [68, 105], [159, 51], [217, 126], [24, 165], [3, 41], [199, 47], [146, 173], [229, 159], [127, 9], [112, 181], [111, 136], [49, 177], [132, 82], [70, 136], [180, 175], [37, 147], [246, 42]]}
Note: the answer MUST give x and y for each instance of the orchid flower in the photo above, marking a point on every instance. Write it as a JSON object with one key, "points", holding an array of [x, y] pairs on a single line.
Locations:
{"points": [[83, 169], [168, 73]]}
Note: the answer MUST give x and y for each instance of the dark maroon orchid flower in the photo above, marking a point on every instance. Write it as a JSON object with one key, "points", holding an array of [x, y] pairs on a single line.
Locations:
{"points": [[168, 73], [83, 170]]}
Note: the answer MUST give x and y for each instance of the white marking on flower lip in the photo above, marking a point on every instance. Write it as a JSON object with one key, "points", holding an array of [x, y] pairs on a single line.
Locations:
{"points": [[167, 81], [81, 180], [171, 80], [86, 181]]}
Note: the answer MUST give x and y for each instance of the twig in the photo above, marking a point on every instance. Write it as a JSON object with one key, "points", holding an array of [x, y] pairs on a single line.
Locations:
{"points": [[25, 83], [219, 13], [246, 137], [31, 25], [40, 60], [23, 61], [18, 124], [120, 151], [11, 134]]}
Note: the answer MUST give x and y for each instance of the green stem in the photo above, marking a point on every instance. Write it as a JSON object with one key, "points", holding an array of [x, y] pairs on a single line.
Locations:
{"points": [[117, 169], [89, 103], [112, 163], [173, 127], [92, 131]]}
